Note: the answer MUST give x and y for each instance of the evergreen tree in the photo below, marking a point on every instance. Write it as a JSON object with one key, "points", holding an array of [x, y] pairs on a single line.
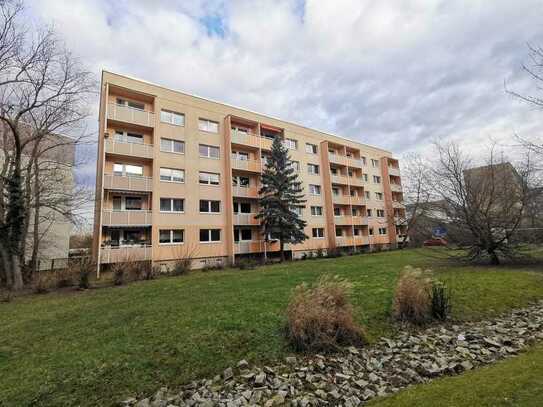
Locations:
{"points": [[281, 193]]}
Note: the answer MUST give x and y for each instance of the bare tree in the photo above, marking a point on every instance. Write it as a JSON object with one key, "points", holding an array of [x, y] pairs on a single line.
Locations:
{"points": [[485, 204], [43, 91]]}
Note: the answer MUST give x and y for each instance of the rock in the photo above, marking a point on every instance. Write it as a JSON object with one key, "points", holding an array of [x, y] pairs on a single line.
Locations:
{"points": [[143, 403], [291, 360], [260, 378], [466, 365], [228, 374], [243, 364]]}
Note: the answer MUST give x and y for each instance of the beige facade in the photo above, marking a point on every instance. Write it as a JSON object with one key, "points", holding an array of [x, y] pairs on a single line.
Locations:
{"points": [[178, 175]]}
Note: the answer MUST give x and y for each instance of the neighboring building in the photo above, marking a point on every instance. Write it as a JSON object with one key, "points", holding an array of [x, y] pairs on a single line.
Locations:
{"points": [[57, 156], [178, 176]]}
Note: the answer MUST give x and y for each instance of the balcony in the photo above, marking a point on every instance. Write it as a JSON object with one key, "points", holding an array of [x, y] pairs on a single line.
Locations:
{"points": [[245, 219], [130, 149], [360, 220], [246, 138], [249, 192], [337, 159], [358, 200], [341, 199], [119, 254], [126, 218], [355, 162], [361, 240], [249, 246], [395, 171], [127, 114], [397, 204], [247, 165], [343, 220], [339, 179], [395, 187], [356, 181], [128, 183], [344, 241]]}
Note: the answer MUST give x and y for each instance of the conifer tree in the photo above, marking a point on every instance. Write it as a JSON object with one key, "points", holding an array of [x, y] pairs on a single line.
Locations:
{"points": [[281, 194]]}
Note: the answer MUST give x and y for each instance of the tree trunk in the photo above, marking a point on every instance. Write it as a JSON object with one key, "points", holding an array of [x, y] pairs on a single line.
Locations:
{"points": [[36, 227], [494, 259], [281, 249]]}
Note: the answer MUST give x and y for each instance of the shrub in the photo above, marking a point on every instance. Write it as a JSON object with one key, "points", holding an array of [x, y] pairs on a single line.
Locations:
{"points": [[181, 267], [320, 318], [319, 253], [85, 267], [118, 270], [412, 297], [247, 264], [65, 277], [41, 283], [440, 300]]}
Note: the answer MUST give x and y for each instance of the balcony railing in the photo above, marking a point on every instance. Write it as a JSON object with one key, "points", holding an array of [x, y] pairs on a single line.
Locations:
{"points": [[247, 165], [360, 220], [126, 218], [395, 171], [397, 204], [246, 138], [249, 192], [355, 162], [122, 147], [395, 187], [245, 219], [343, 220], [337, 159], [128, 183], [339, 179], [356, 181], [341, 199], [361, 240], [120, 254], [131, 115]]}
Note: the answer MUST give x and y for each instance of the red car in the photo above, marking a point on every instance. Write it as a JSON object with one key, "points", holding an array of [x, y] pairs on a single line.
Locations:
{"points": [[437, 241]]}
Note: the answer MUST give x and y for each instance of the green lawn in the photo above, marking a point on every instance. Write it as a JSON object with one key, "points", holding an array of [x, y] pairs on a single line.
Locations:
{"points": [[512, 382], [100, 346]]}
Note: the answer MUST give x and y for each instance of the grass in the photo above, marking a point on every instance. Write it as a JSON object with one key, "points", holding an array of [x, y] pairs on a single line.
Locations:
{"points": [[511, 382], [100, 346]]}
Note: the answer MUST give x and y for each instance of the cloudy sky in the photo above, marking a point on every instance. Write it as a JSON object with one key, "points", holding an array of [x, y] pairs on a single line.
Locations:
{"points": [[397, 74]]}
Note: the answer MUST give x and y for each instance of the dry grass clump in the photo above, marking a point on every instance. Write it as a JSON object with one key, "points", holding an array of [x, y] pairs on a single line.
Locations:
{"points": [[320, 318], [412, 298]]}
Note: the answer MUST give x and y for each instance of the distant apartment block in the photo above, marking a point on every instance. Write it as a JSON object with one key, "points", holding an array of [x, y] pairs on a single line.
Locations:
{"points": [[178, 175]]}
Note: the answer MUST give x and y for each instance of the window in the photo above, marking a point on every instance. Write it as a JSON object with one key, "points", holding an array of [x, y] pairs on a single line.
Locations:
{"points": [[128, 137], [335, 191], [242, 207], [382, 231], [209, 178], [242, 235], [172, 205], [133, 203], [379, 196], [376, 179], [354, 212], [353, 192], [363, 159], [367, 194], [339, 232], [365, 177], [312, 169], [337, 211], [314, 189], [370, 231], [208, 125], [380, 213], [171, 236], [210, 235], [239, 129], [131, 103], [318, 233], [291, 144], [298, 210], [128, 170], [210, 206], [310, 148], [177, 119], [172, 146], [369, 213], [374, 163], [240, 181], [357, 232], [316, 210], [209, 151], [334, 171], [295, 165], [240, 155], [172, 175]]}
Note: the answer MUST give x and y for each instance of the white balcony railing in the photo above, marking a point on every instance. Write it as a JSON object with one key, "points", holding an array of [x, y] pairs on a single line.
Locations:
{"points": [[120, 254], [247, 165], [246, 192], [131, 115], [121, 147], [112, 217], [128, 183], [245, 219]]}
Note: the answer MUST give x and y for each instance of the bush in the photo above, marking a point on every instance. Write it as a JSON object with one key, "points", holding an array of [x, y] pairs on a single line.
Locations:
{"points": [[441, 301], [65, 277], [118, 270], [181, 267], [41, 283], [85, 267], [320, 253], [247, 264], [320, 318], [412, 297]]}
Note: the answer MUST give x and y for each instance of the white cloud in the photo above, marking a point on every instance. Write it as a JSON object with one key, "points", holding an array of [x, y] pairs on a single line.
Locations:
{"points": [[387, 73]]}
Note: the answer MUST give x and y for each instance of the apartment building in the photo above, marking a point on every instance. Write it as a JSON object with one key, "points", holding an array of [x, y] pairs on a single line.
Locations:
{"points": [[178, 175]]}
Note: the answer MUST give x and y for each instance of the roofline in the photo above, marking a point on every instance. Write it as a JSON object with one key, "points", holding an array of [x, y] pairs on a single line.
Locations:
{"points": [[241, 108]]}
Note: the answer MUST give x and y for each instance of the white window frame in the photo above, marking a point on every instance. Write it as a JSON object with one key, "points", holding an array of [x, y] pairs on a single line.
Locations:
{"points": [[172, 205], [172, 144], [238, 231], [380, 212], [209, 148], [124, 171], [317, 229], [291, 143], [209, 236], [171, 170], [207, 125], [376, 179], [311, 169], [379, 196], [209, 211], [164, 118], [171, 242], [374, 163], [382, 231], [236, 181], [313, 188], [315, 211], [311, 148], [209, 174]]}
